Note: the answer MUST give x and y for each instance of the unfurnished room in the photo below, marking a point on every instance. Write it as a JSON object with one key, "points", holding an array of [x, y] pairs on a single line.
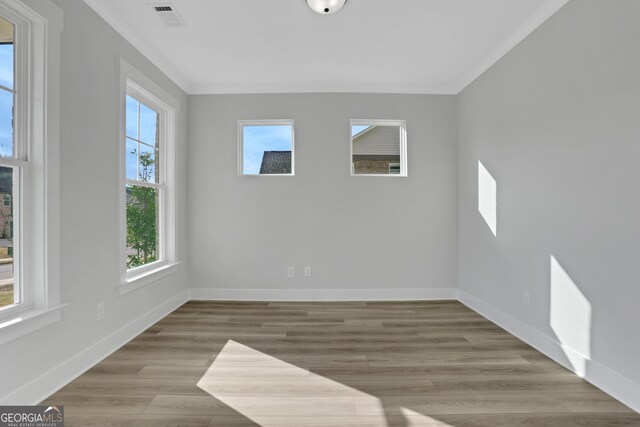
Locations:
{"points": [[340, 213]]}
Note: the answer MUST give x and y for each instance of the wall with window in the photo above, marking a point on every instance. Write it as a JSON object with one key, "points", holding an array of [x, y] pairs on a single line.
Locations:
{"points": [[90, 270], [363, 236], [549, 191]]}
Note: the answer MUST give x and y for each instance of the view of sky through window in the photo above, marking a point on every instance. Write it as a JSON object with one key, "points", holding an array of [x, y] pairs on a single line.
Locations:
{"points": [[258, 139], [6, 99], [357, 129]]}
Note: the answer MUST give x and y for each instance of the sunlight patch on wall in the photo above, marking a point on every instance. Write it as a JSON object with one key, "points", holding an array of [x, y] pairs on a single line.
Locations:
{"points": [[265, 389], [488, 198], [570, 317]]}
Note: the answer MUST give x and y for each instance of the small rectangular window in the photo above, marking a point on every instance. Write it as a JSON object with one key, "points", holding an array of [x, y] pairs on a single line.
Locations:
{"points": [[378, 147], [266, 147]]}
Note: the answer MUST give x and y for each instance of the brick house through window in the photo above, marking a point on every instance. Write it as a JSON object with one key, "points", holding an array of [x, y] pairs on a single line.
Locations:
{"points": [[376, 150]]}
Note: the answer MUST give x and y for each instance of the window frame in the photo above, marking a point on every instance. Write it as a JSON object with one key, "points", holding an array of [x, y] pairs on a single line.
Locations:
{"points": [[265, 122], [135, 84], [402, 124], [37, 29]]}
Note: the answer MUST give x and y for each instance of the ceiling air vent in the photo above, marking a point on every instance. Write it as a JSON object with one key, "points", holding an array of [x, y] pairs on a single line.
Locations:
{"points": [[168, 14]]}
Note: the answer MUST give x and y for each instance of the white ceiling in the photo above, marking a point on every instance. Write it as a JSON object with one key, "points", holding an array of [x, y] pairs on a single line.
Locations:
{"points": [[392, 46]]}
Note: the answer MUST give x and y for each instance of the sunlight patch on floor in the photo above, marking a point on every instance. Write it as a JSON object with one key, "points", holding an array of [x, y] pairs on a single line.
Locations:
{"points": [[270, 391]]}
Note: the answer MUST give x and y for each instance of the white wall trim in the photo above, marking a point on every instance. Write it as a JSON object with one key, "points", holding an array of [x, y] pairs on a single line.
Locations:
{"points": [[236, 89], [611, 382], [119, 24], [37, 390], [527, 27], [415, 294]]}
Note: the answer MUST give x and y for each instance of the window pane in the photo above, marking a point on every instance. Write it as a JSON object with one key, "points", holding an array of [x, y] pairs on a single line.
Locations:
{"points": [[132, 118], [132, 159], [267, 149], [142, 225], [6, 53], [376, 150], [6, 123], [148, 126], [149, 168], [7, 287]]}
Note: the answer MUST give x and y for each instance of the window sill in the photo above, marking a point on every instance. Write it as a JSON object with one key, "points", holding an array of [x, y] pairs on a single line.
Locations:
{"points": [[28, 321], [266, 174], [387, 175], [146, 278]]}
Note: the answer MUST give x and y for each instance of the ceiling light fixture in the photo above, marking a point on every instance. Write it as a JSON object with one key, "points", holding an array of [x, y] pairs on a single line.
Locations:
{"points": [[326, 7]]}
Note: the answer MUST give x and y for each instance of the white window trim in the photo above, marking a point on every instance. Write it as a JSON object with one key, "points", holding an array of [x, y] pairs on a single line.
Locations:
{"points": [[274, 122], [134, 82], [402, 124], [38, 25]]}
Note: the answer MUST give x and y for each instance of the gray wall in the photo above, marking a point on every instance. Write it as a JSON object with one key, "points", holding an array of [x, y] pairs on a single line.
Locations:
{"points": [[355, 232], [89, 185], [557, 124]]}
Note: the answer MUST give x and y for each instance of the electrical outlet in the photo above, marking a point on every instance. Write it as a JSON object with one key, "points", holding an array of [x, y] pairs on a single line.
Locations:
{"points": [[307, 272], [101, 311], [526, 298], [290, 272]]}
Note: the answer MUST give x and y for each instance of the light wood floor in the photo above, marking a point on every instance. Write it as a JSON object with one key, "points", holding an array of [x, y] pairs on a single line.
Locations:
{"points": [[332, 364]]}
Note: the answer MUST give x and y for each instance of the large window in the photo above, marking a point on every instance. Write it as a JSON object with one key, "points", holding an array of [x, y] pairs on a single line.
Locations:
{"points": [[265, 147], [12, 162], [147, 180], [29, 167], [378, 148]]}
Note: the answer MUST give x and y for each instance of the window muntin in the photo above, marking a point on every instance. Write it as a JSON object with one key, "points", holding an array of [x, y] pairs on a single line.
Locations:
{"points": [[378, 148], [11, 168], [144, 186], [266, 147]]}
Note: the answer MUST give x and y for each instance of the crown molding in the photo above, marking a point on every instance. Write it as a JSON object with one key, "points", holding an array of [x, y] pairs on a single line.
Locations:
{"points": [[145, 48], [226, 89], [545, 11]]}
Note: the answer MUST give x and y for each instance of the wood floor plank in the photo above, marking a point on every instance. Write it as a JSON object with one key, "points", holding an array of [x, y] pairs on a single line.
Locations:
{"points": [[470, 403], [288, 364]]}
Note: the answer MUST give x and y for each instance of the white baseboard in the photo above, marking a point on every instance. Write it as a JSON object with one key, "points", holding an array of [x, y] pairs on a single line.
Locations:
{"points": [[611, 382], [53, 380], [416, 294]]}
